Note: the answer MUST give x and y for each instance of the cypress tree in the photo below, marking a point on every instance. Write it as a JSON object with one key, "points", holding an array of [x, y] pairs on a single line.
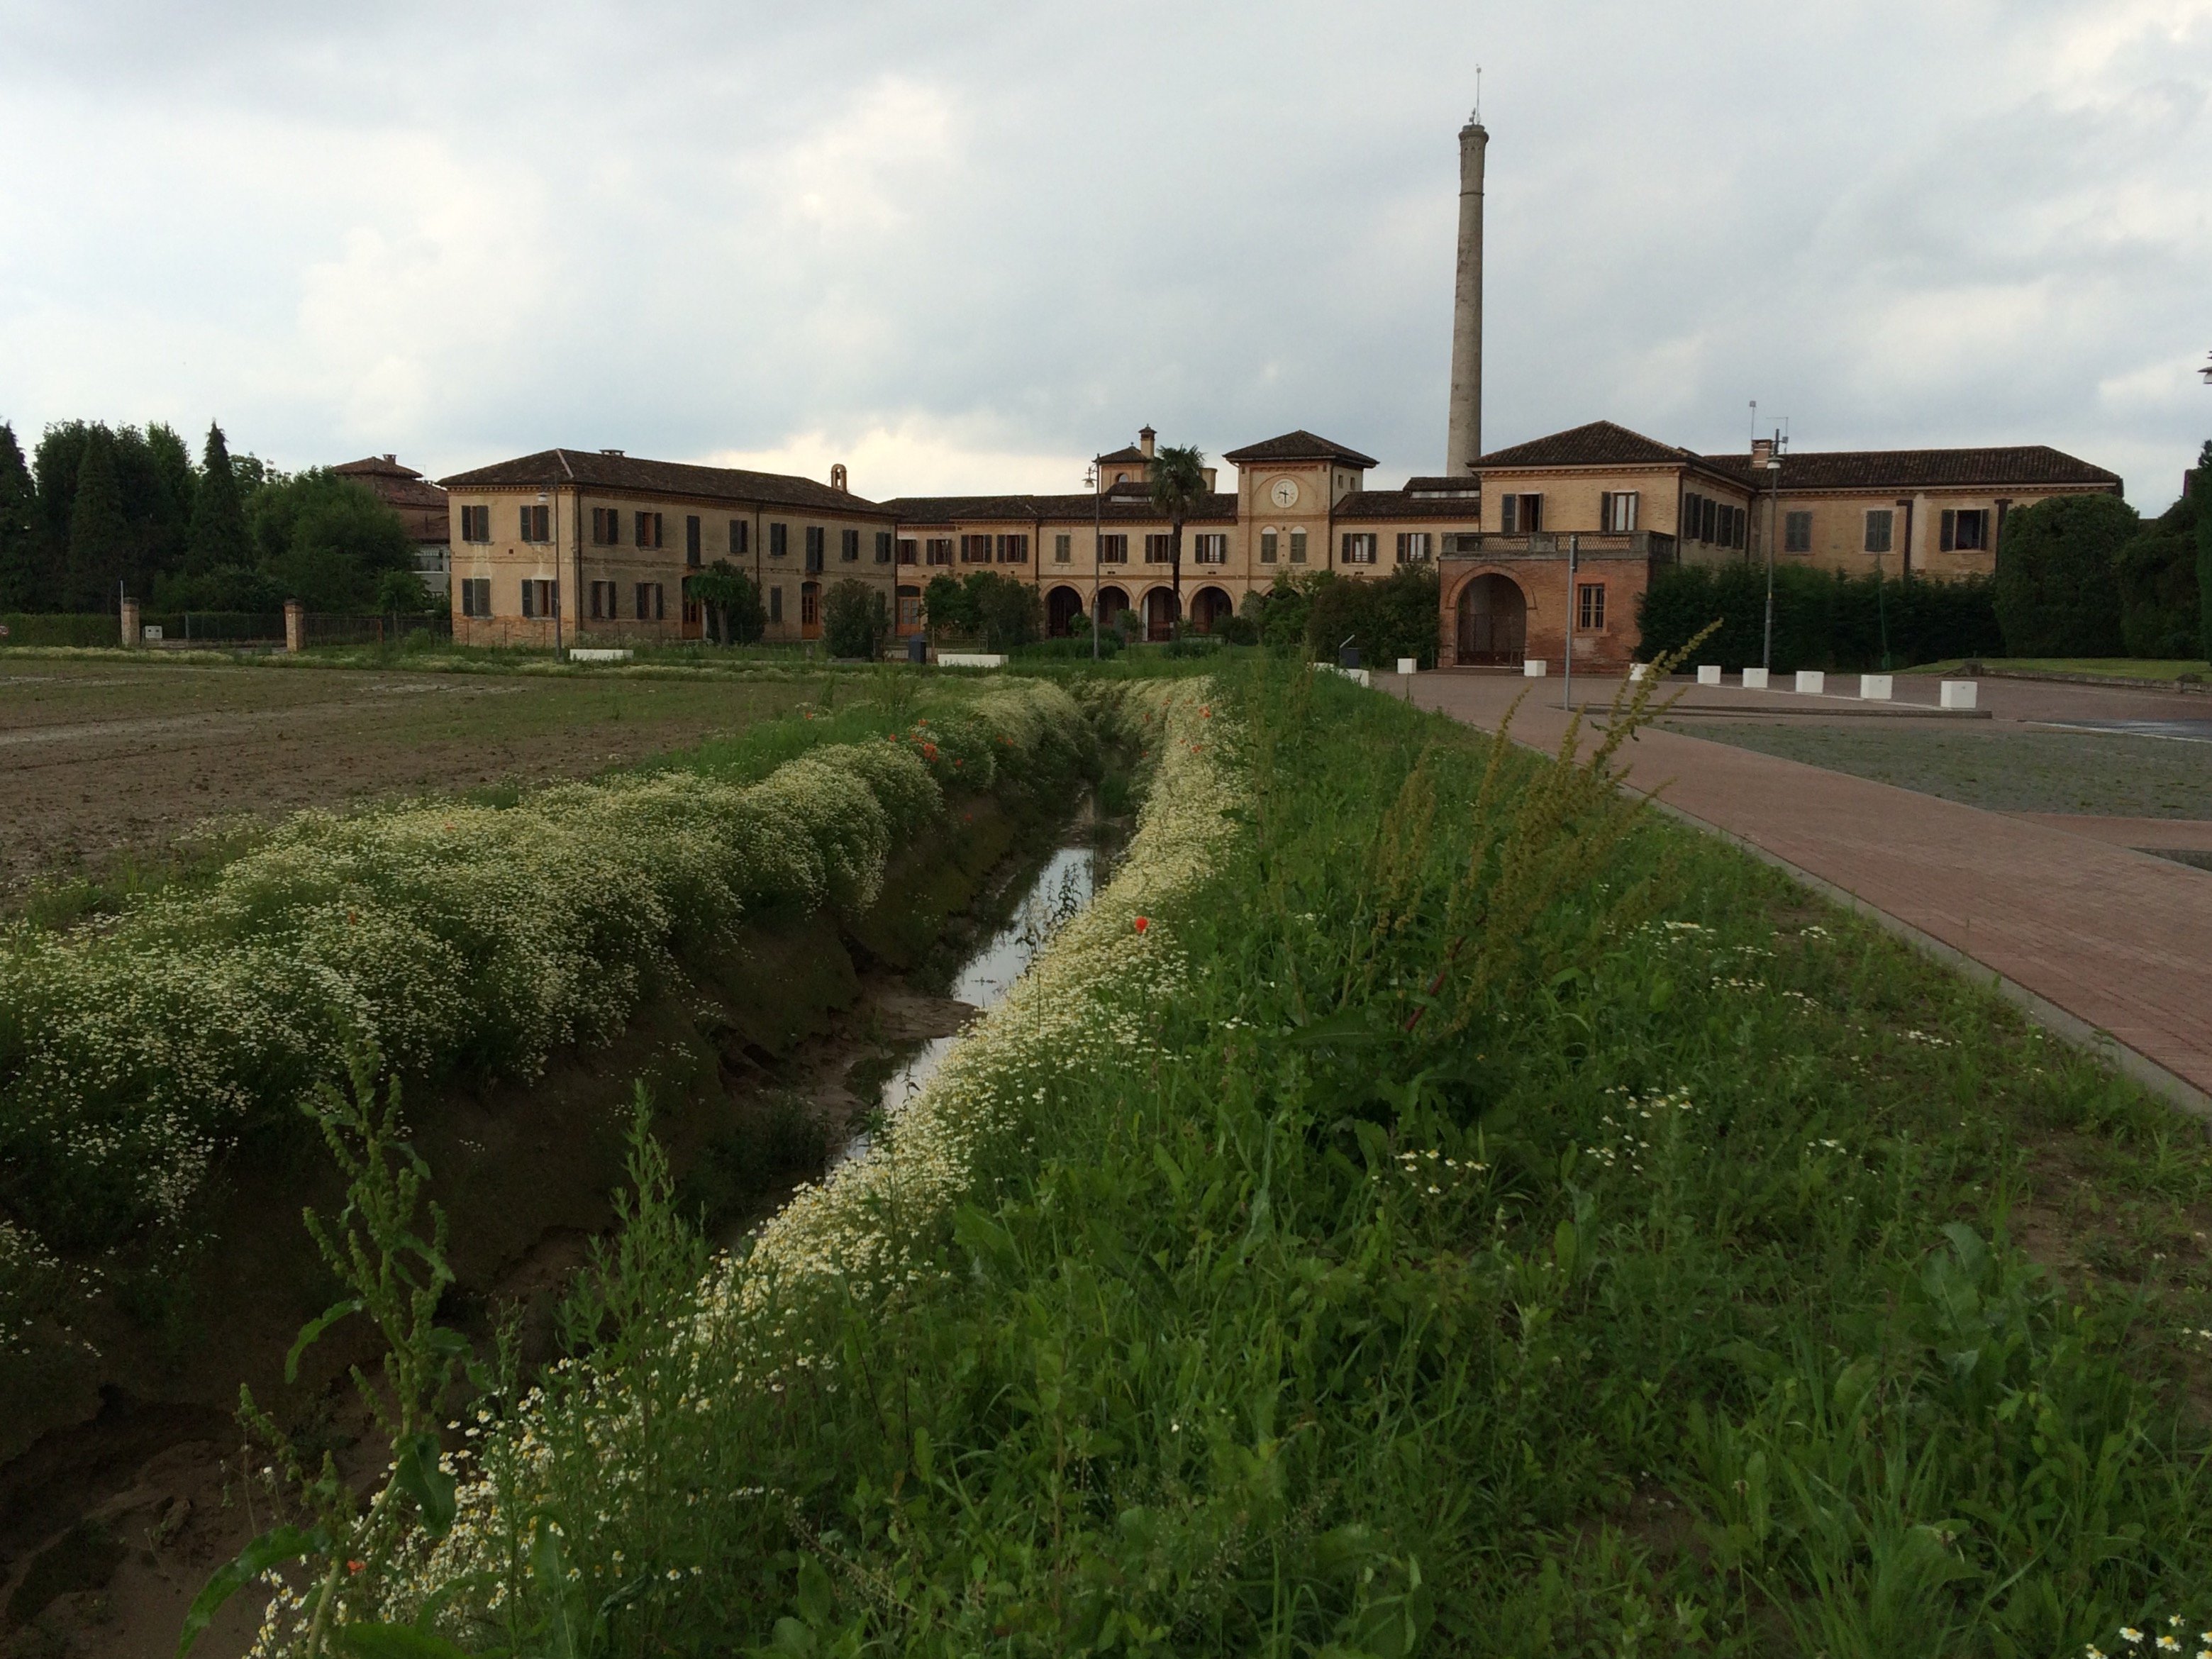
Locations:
{"points": [[99, 541], [2203, 491], [218, 534], [22, 584]]}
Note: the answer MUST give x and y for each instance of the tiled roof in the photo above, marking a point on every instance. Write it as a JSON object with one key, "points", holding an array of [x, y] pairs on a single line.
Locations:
{"points": [[1465, 483], [1122, 508], [1600, 443], [1127, 452], [555, 468], [1927, 469], [1300, 446], [1403, 504]]}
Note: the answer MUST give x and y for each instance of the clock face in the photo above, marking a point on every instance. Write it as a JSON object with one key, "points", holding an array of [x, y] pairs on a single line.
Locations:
{"points": [[1284, 492]]}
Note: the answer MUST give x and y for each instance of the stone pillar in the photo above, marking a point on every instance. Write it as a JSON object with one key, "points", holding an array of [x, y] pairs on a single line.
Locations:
{"points": [[296, 624], [132, 636], [1463, 441]]}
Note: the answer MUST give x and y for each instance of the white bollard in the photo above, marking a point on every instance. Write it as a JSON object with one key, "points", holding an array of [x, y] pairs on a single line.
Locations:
{"points": [[1754, 679], [1709, 673], [1533, 667], [1874, 688], [1957, 694], [1811, 682], [1409, 664], [1639, 670]]}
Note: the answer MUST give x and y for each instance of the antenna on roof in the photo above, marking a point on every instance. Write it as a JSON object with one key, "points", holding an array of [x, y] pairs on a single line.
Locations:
{"points": [[1478, 94]]}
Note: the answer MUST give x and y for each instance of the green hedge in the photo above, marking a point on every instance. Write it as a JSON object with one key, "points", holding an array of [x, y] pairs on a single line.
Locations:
{"points": [[1822, 619], [60, 628]]}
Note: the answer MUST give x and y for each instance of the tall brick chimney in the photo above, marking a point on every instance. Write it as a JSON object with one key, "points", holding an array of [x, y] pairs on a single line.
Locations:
{"points": [[1464, 440]]}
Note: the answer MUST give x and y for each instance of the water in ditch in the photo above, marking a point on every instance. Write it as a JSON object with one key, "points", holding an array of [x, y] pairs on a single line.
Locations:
{"points": [[1059, 892]]}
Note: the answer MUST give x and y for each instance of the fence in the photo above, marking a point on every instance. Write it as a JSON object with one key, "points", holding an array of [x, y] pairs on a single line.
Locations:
{"points": [[212, 629]]}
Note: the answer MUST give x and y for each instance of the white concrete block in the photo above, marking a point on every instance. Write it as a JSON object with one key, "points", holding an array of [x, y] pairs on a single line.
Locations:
{"points": [[1639, 670], [970, 660], [1709, 673], [1533, 667], [1409, 664], [1811, 682], [1874, 688], [598, 654], [1754, 679], [1357, 676], [1958, 694]]}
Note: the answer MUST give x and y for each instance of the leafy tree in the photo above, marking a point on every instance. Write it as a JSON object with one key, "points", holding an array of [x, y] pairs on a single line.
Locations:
{"points": [[735, 614], [1280, 613], [2161, 614], [403, 594], [23, 584], [1008, 613], [949, 607], [59, 454], [2058, 589], [1392, 617], [1177, 481], [155, 476], [100, 542], [218, 535], [327, 540], [854, 619]]}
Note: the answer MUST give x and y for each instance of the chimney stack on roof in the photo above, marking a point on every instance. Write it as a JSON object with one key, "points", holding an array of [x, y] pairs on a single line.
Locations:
{"points": [[1145, 437], [1762, 451], [837, 477]]}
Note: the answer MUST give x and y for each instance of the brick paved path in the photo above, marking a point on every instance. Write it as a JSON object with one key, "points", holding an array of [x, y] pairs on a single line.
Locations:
{"points": [[2119, 939]]}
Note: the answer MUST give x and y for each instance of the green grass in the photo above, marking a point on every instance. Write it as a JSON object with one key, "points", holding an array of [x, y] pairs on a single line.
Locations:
{"points": [[1518, 1231], [2111, 774], [2123, 668]]}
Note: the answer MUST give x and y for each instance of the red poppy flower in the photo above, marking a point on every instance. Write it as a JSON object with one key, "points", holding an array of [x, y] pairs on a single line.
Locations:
{"points": [[1143, 922]]}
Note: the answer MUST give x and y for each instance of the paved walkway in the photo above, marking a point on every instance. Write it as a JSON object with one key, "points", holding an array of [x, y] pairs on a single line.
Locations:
{"points": [[2119, 940]]}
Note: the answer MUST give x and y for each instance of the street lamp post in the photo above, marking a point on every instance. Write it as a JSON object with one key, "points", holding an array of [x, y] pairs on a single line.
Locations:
{"points": [[1097, 529], [1773, 496], [1574, 557]]}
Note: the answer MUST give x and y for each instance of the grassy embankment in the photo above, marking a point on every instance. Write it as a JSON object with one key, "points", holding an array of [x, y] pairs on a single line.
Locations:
{"points": [[1424, 1204], [469, 943]]}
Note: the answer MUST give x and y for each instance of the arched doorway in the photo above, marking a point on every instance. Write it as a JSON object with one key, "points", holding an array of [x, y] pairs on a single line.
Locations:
{"points": [[1160, 614], [1063, 606], [1209, 607], [1113, 605], [1493, 622]]}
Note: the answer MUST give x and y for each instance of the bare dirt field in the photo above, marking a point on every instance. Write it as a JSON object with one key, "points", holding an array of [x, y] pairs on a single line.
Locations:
{"points": [[102, 759]]}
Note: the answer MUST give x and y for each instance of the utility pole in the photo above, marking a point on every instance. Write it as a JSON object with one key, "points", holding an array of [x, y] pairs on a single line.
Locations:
{"points": [[1773, 497], [1574, 559], [1097, 529]]}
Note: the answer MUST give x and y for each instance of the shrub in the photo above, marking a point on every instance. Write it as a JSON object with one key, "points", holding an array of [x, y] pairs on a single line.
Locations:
{"points": [[1822, 618], [1392, 617], [1001, 612], [2058, 591], [854, 619], [732, 601]]}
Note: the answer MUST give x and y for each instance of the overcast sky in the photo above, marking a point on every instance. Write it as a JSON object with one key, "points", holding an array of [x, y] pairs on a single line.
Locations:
{"points": [[962, 246]]}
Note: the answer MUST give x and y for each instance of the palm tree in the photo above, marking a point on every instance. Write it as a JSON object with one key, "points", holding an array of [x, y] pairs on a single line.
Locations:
{"points": [[1177, 479]]}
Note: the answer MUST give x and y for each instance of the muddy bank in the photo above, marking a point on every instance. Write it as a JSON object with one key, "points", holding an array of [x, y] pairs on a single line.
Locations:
{"points": [[119, 1461]]}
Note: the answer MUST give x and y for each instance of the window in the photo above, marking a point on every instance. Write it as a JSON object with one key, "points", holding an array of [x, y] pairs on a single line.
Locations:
{"points": [[1211, 547], [1965, 528], [540, 597], [1159, 548], [1413, 547], [1742, 528], [740, 537], [606, 526], [810, 604], [1468, 542], [652, 601], [691, 540], [1521, 515], [1797, 533], [909, 609], [1589, 605], [775, 600], [849, 546], [1113, 550], [815, 538], [1298, 547], [476, 591], [884, 547], [537, 523], [1616, 511], [1359, 547], [940, 550], [778, 540], [974, 549], [1013, 549], [1267, 543], [476, 525], [647, 528], [1692, 502], [1063, 548], [907, 549], [1878, 522], [603, 601]]}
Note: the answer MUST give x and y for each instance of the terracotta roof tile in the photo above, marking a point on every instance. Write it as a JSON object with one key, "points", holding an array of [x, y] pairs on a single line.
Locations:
{"points": [[1600, 443], [1125, 508], [557, 468], [1299, 446], [1403, 504], [1927, 469]]}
